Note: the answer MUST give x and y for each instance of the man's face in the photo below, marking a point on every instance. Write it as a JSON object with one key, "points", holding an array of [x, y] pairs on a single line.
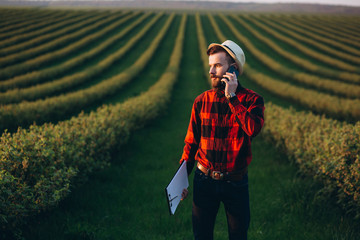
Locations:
{"points": [[218, 67]]}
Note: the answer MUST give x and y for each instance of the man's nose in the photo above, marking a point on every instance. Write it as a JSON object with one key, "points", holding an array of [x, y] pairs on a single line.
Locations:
{"points": [[212, 70]]}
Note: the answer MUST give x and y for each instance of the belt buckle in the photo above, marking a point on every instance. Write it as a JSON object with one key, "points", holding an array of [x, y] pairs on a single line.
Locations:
{"points": [[217, 175]]}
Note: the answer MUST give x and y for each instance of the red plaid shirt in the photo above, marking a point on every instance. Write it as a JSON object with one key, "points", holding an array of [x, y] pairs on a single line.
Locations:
{"points": [[220, 131]]}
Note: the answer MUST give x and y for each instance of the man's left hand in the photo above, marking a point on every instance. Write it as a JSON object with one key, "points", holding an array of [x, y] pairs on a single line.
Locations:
{"points": [[184, 194], [231, 82]]}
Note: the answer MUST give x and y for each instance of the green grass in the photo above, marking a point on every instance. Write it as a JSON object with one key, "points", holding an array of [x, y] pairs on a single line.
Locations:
{"points": [[127, 200]]}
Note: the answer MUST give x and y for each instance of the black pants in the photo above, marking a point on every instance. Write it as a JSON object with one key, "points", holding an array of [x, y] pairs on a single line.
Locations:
{"points": [[208, 193]]}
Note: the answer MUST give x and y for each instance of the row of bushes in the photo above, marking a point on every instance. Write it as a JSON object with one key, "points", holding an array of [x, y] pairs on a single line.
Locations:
{"points": [[11, 18], [330, 30], [31, 23], [336, 87], [16, 35], [202, 45], [335, 21], [54, 108], [36, 77], [349, 74], [346, 24], [50, 55], [338, 108], [41, 164], [313, 39], [21, 35], [331, 61], [70, 81], [34, 50], [319, 102], [326, 149], [322, 35], [42, 35]]}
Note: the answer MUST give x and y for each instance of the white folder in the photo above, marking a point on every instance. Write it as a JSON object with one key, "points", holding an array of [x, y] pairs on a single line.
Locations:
{"points": [[175, 188]]}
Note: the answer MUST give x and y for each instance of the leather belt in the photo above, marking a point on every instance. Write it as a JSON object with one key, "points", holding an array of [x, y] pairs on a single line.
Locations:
{"points": [[229, 176]]}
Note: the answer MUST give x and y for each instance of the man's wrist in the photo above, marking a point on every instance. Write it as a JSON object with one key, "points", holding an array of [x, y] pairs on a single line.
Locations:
{"points": [[230, 95]]}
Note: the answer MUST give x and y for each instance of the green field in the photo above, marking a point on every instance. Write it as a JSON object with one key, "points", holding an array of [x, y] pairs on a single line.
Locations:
{"points": [[111, 91]]}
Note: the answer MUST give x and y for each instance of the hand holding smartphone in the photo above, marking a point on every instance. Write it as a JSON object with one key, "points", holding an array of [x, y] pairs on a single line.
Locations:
{"points": [[231, 69]]}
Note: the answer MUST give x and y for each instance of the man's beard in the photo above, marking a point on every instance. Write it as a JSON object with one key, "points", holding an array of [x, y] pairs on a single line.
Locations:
{"points": [[216, 82]]}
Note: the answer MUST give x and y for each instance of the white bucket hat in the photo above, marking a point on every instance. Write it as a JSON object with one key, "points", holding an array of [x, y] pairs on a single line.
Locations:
{"points": [[234, 51]]}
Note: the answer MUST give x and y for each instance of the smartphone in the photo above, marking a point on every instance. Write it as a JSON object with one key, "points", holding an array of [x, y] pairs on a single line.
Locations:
{"points": [[231, 69]]}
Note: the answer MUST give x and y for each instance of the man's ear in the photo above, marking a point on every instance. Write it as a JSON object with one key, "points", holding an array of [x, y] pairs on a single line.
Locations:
{"points": [[235, 65]]}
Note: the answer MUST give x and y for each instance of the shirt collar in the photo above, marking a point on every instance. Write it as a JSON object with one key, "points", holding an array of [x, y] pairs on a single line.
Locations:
{"points": [[220, 93]]}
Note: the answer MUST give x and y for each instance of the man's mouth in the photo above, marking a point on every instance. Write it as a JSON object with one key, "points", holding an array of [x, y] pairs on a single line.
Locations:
{"points": [[215, 76]]}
